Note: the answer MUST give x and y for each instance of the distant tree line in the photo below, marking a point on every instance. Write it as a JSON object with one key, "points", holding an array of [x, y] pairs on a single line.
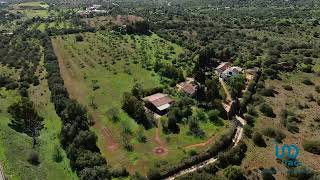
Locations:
{"points": [[138, 27]]}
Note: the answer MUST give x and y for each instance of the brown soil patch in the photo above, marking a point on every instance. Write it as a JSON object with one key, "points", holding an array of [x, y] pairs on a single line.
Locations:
{"points": [[160, 151], [162, 148]]}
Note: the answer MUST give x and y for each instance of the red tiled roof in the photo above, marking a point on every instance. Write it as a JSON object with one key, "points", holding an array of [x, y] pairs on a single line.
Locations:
{"points": [[187, 87], [158, 99]]}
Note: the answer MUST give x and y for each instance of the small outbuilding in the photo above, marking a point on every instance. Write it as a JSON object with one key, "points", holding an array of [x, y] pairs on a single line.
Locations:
{"points": [[189, 87], [231, 72], [222, 67], [159, 103]]}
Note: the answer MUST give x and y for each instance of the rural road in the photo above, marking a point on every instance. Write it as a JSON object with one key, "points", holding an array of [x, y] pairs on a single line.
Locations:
{"points": [[236, 139], [1, 173], [229, 98]]}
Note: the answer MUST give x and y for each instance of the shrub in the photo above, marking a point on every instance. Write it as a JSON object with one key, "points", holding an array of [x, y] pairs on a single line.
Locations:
{"points": [[258, 139], [308, 82], [233, 157], [113, 114], [266, 92], [57, 154], [194, 128], [287, 87], [233, 173], [154, 174], [251, 110], [312, 146], [248, 131], [293, 127], [33, 157], [119, 171], [317, 88], [300, 173], [249, 118], [267, 174], [140, 136], [267, 110], [310, 97], [79, 38], [192, 152], [307, 69], [214, 115], [278, 135]]}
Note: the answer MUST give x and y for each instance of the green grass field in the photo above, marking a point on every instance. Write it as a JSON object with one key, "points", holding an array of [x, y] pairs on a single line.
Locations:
{"points": [[14, 146], [113, 64], [31, 9]]}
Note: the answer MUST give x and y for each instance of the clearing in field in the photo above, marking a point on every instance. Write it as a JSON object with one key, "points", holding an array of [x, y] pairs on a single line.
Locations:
{"points": [[98, 68]]}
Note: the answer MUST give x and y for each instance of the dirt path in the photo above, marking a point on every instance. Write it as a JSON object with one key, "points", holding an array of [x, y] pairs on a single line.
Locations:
{"points": [[203, 144], [229, 98], [110, 141], [162, 147], [2, 177], [75, 90]]}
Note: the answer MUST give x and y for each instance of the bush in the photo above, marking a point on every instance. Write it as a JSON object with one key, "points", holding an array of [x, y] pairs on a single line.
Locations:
{"points": [[300, 173], [214, 115], [193, 152], [287, 87], [79, 38], [154, 174], [57, 154], [267, 174], [312, 146], [33, 157], [248, 131], [233, 173], [267, 110], [233, 157], [113, 114], [317, 88], [251, 110], [308, 82], [293, 127], [258, 139], [274, 133], [249, 118], [118, 171], [310, 97], [266, 92], [140, 136]]}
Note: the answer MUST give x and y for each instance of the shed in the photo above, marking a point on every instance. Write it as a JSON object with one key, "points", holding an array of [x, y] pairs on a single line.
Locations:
{"points": [[158, 102]]}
